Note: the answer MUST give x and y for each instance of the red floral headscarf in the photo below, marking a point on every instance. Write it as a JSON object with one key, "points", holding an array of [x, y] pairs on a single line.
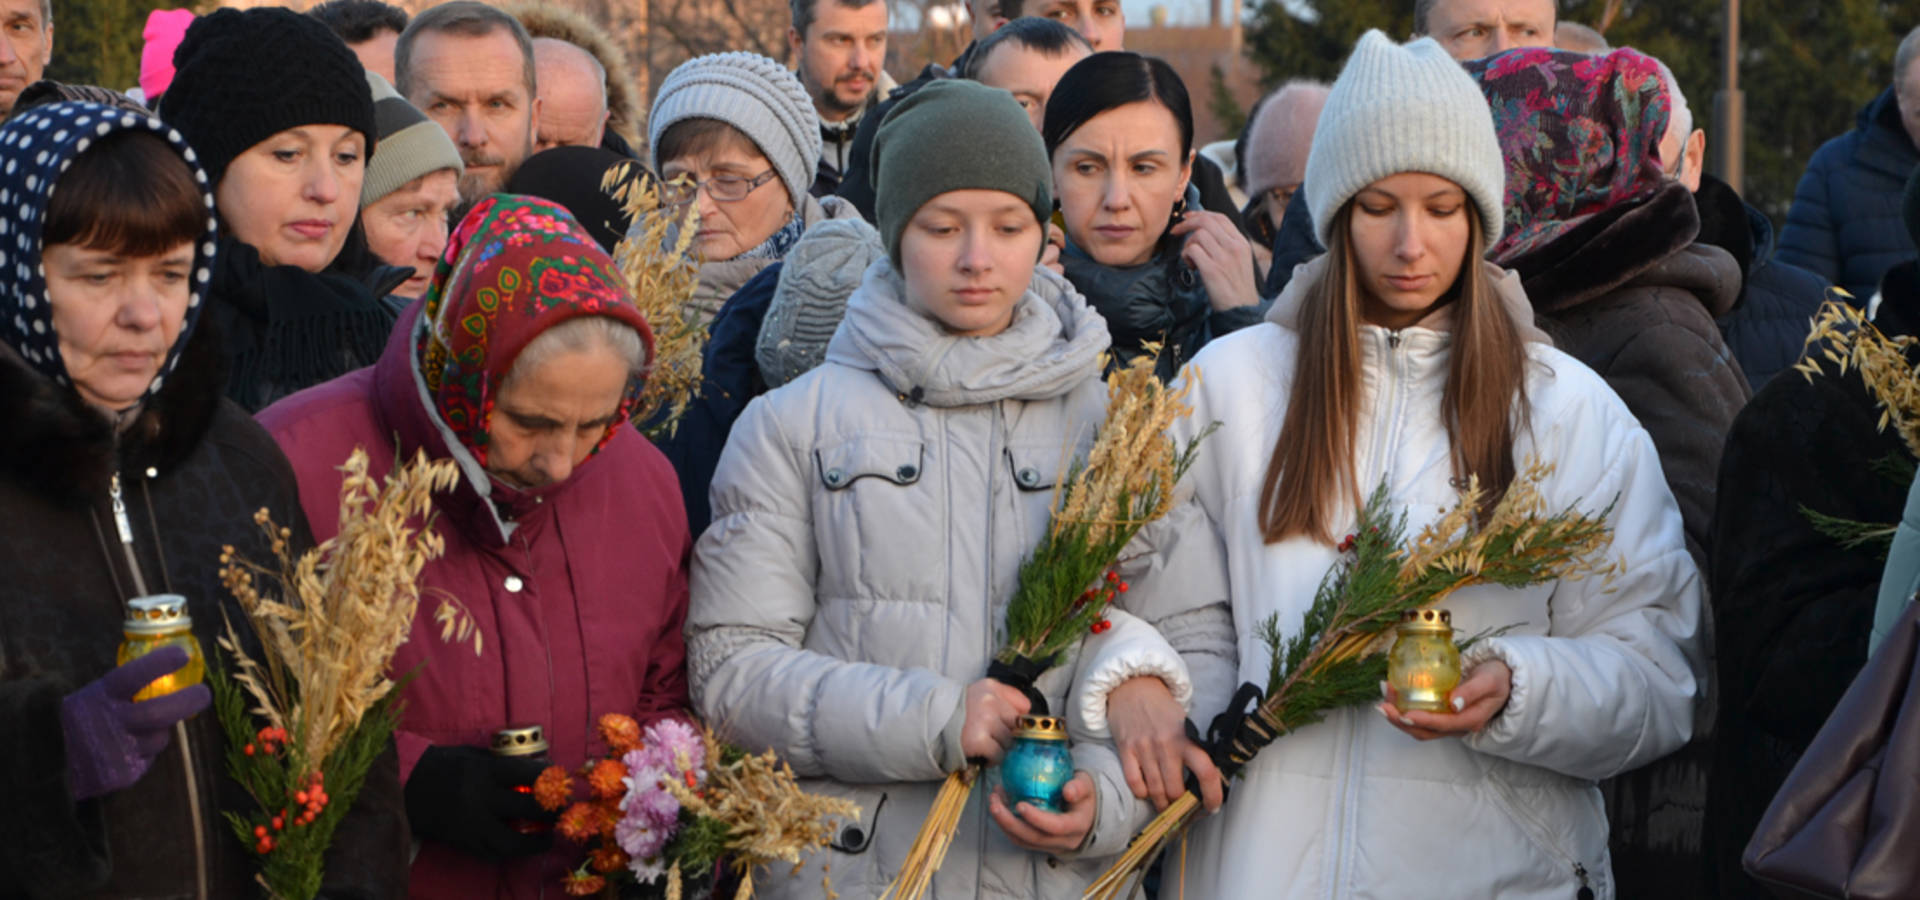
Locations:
{"points": [[514, 267], [1581, 135]]}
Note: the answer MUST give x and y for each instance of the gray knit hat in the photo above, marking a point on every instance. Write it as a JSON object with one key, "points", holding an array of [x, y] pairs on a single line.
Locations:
{"points": [[754, 94], [410, 145], [820, 273], [1400, 109], [955, 135]]}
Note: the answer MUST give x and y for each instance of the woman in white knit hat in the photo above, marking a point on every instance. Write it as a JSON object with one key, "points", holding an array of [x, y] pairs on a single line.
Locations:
{"points": [[1401, 358], [739, 128]]}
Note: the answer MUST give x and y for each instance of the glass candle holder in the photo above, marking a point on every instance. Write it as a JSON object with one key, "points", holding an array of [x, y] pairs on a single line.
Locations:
{"points": [[1424, 664], [1038, 765], [158, 621], [526, 742]]}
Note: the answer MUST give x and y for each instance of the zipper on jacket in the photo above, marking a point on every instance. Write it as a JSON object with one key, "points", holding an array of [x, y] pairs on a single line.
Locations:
{"points": [[124, 527]]}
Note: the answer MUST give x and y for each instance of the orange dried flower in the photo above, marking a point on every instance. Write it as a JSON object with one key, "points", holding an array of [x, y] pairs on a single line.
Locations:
{"points": [[621, 733], [581, 884], [553, 788], [604, 777], [608, 859], [580, 822]]}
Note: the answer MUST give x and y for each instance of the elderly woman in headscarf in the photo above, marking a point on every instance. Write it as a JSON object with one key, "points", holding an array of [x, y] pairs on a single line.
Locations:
{"points": [[565, 540], [123, 474]]}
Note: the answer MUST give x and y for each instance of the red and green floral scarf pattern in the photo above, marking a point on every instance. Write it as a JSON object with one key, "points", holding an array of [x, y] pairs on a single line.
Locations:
{"points": [[513, 268]]}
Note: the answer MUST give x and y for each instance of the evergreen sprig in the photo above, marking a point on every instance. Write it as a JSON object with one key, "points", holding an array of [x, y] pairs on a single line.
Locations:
{"points": [[1336, 658]]}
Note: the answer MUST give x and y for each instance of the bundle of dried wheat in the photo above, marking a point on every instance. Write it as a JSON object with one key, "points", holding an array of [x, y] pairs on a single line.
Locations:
{"points": [[328, 624], [653, 256]]}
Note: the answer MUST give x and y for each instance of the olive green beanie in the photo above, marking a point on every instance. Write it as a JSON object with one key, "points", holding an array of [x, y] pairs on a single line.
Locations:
{"points": [[955, 135]]}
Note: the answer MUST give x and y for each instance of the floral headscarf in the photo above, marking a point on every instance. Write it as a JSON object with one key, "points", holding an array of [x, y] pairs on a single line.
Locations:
{"points": [[514, 267], [36, 147], [1581, 135]]}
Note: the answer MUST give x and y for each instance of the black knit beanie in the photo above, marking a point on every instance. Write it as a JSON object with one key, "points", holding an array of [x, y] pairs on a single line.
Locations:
{"points": [[242, 76]]}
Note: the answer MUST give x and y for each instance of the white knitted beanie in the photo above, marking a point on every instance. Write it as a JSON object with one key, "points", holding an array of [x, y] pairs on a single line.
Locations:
{"points": [[1400, 109], [754, 94]]}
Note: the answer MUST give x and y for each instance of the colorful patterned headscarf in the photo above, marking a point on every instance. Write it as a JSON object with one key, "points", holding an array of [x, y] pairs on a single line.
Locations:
{"points": [[514, 267], [36, 147], [1581, 135]]}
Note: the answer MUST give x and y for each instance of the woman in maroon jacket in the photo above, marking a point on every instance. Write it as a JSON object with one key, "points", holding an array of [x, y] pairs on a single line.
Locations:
{"points": [[565, 536]]}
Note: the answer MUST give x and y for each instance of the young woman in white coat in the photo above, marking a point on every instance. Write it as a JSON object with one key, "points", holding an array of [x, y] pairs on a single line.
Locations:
{"points": [[1402, 358], [870, 518]]}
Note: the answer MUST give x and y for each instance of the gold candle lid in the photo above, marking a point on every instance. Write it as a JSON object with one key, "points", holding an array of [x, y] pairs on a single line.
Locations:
{"points": [[1426, 620], [157, 614], [520, 740], [1041, 728]]}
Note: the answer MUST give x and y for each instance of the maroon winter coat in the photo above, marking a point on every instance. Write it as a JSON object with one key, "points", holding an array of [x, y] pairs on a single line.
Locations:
{"points": [[581, 607]]}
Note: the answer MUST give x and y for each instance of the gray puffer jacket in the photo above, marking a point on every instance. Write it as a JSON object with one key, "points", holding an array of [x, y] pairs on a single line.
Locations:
{"points": [[869, 521]]}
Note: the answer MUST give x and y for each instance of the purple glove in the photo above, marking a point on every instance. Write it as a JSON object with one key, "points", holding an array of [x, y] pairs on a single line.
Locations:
{"points": [[111, 740]]}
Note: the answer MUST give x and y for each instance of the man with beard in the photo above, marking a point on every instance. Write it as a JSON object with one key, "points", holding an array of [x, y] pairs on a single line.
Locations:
{"points": [[470, 68], [840, 46]]}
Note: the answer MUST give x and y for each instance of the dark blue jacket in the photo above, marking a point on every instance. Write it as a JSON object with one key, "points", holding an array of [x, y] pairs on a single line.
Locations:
{"points": [[1845, 224], [1768, 325], [730, 378]]}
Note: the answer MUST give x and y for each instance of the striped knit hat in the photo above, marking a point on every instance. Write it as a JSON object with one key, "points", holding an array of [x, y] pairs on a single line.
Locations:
{"points": [[410, 145]]}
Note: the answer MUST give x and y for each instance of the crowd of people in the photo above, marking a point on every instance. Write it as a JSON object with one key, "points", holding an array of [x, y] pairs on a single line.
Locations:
{"points": [[1491, 244]]}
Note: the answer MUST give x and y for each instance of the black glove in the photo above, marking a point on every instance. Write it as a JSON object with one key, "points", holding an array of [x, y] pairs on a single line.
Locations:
{"points": [[464, 797]]}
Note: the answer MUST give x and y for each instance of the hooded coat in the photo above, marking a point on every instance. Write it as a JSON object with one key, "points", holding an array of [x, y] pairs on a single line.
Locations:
{"points": [[870, 518], [578, 588], [193, 469], [1605, 675], [1845, 223], [1767, 328]]}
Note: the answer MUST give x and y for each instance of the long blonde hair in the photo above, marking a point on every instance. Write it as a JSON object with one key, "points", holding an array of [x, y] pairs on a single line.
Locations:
{"points": [[1311, 474]]}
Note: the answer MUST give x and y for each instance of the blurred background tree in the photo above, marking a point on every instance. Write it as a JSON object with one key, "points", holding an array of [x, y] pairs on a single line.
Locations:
{"points": [[1806, 68], [98, 41]]}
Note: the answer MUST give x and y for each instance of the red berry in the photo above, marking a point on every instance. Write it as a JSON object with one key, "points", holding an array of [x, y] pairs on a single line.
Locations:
{"points": [[260, 831], [1102, 625], [1112, 576], [300, 797], [1122, 586], [279, 823]]}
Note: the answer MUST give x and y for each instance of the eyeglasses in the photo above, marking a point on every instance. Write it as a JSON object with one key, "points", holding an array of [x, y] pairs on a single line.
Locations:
{"points": [[1281, 196], [724, 188]]}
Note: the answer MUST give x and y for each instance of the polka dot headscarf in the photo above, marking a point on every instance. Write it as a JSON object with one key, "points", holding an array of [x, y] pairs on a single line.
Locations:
{"points": [[36, 147]]}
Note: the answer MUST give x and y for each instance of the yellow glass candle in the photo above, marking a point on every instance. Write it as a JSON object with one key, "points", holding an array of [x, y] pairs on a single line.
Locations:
{"points": [[1424, 664], [162, 621]]}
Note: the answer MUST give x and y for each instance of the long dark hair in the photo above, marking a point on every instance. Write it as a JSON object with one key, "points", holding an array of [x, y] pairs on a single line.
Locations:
{"points": [[1111, 80], [1310, 480]]}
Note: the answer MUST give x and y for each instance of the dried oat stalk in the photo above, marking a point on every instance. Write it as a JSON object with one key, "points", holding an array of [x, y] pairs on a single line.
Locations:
{"points": [[1844, 337], [767, 817], [330, 621], [662, 276]]}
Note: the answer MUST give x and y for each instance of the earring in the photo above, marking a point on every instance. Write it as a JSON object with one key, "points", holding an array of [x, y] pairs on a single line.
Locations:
{"points": [[1179, 212]]}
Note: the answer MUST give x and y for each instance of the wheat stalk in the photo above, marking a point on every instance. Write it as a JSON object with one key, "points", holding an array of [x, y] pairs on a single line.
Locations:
{"points": [[1843, 336], [662, 277]]}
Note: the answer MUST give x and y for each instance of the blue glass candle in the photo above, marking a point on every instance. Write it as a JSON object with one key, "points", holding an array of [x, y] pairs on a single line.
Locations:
{"points": [[1038, 765]]}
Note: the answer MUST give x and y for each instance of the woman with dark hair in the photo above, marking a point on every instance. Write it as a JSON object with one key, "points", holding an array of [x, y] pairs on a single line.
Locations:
{"points": [[1157, 267], [123, 475], [1402, 359], [280, 114]]}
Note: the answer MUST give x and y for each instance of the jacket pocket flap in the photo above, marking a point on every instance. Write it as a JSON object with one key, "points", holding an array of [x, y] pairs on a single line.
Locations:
{"points": [[1038, 468], [898, 461]]}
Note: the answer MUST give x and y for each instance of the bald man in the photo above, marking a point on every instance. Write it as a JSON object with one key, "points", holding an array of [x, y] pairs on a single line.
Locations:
{"points": [[573, 95]]}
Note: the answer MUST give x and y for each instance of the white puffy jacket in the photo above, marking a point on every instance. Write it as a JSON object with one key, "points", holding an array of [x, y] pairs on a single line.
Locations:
{"points": [[869, 521], [1604, 677]]}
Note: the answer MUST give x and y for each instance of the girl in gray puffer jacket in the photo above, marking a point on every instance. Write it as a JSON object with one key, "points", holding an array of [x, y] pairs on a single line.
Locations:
{"points": [[870, 518]]}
